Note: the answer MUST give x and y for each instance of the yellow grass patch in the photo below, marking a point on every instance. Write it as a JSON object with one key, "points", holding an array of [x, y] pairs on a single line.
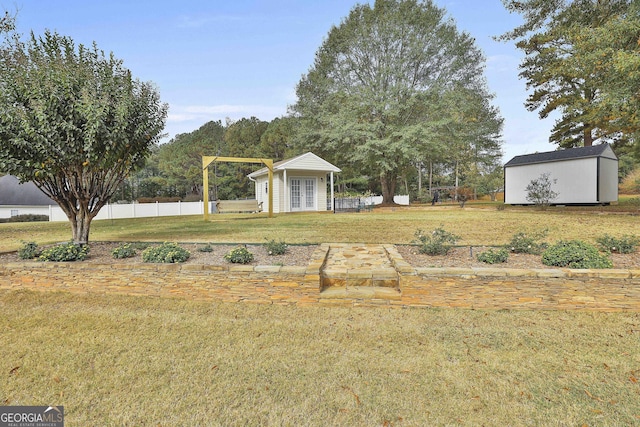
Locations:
{"points": [[115, 360]]}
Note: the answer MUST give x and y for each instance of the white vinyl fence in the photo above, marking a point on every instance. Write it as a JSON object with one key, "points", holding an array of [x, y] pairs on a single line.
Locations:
{"points": [[377, 200], [114, 211], [141, 210]]}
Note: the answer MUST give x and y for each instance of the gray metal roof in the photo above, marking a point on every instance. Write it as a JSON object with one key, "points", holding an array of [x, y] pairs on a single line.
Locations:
{"points": [[27, 194], [554, 156]]}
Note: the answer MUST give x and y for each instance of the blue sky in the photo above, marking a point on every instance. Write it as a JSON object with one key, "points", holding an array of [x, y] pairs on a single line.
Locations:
{"points": [[241, 58]]}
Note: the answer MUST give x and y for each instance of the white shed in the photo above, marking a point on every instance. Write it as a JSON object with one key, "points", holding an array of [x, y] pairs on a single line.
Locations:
{"points": [[302, 183], [586, 175]]}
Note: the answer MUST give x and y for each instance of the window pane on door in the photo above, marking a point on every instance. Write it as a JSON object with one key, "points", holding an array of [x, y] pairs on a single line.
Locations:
{"points": [[309, 193], [295, 194]]}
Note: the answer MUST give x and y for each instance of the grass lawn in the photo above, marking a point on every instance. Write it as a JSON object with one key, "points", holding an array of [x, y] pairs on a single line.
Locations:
{"points": [[127, 361], [476, 225], [135, 361]]}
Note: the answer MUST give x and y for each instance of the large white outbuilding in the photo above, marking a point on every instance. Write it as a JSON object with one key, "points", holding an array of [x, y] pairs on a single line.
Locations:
{"points": [[586, 175]]}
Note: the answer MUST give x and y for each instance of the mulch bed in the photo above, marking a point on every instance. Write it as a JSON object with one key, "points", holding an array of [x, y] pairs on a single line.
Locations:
{"points": [[465, 257]]}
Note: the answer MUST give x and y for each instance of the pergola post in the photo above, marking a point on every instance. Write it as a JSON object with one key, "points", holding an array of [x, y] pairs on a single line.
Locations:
{"points": [[207, 160]]}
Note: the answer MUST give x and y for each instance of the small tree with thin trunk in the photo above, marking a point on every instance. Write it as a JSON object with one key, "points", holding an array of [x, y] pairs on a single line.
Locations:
{"points": [[539, 191], [74, 122]]}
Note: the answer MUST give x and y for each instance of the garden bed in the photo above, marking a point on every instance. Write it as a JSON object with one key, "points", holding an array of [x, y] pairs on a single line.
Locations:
{"points": [[466, 257], [300, 255], [100, 253]]}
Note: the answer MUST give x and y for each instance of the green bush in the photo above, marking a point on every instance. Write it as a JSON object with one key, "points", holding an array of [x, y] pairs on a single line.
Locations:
{"points": [[65, 252], [165, 253], [575, 254], [125, 250], [438, 242], [26, 218], [276, 248], [624, 245], [239, 255], [29, 250], [494, 256], [523, 243], [206, 248]]}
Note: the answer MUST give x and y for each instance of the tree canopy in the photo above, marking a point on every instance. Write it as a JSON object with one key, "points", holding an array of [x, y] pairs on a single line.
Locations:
{"points": [[582, 60], [376, 97], [73, 121]]}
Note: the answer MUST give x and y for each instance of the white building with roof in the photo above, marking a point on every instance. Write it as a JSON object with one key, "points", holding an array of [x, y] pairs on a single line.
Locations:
{"points": [[302, 183], [585, 175]]}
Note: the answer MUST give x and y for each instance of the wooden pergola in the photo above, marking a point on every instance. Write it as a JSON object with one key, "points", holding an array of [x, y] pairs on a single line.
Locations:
{"points": [[207, 160]]}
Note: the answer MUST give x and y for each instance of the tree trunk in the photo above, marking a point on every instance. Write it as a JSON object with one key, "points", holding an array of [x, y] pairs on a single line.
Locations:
{"points": [[430, 178], [388, 184], [456, 182], [79, 217], [80, 228], [588, 138]]}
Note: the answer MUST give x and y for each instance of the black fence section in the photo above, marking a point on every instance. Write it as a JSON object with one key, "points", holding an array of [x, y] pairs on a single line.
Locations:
{"points": [[350, 204]]}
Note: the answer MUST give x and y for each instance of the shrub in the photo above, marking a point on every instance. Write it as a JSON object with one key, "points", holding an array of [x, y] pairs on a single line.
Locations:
{"points": [[276, 248], [125, 250], [539, 191], [239, 255], [623, 245], [206, 248], [438, 242], [65, 252], [29, 250], [494, 256], [165, 253], [523, 243], [26, 218], [575, 254]]}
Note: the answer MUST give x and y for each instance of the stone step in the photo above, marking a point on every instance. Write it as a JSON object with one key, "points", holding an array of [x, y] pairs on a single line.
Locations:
{"points": [[361, 292], [340, 277], [358, 266]]}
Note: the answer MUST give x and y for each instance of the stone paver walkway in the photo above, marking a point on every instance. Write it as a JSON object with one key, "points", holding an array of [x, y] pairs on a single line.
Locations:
{"points": [[360, 270]]}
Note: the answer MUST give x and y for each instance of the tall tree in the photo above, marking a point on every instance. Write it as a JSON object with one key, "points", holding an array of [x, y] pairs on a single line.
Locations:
{"points": [[579, 54], [277, 140], [180, 160], [74, 122], [242, 139], [366, 100]]}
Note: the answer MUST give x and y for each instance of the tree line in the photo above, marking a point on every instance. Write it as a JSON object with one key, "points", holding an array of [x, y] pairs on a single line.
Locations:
{"points": [[396, 97]]}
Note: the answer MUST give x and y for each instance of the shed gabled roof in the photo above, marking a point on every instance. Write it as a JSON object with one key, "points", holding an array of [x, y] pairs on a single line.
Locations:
{"points": [[307, 161], [602, 150]]}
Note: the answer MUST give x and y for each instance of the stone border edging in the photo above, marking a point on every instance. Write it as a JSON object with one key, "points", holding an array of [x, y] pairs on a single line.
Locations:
{"points": [[486, 288]]}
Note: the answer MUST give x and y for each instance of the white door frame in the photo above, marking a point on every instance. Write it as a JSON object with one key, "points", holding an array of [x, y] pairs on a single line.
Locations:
{"points": [[303, 189]]}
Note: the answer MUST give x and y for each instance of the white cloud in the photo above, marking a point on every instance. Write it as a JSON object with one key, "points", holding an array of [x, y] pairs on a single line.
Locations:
{"points": [[185, 119], [217, 112]]}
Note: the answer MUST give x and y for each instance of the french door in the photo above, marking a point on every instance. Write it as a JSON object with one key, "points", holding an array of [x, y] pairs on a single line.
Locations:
{"points": [[303, 194]]}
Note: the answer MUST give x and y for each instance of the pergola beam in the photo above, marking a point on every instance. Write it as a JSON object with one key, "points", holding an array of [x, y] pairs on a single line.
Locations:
{"points": [[207, 160]]}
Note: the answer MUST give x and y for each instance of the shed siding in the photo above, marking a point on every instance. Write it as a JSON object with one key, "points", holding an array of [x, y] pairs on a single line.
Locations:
{"points": [[608, 181], [308, 163], [577, 181], [263, 196]]}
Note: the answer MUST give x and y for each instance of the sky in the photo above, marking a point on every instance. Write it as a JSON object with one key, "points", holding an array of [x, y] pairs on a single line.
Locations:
{"points": [[213, 60]]}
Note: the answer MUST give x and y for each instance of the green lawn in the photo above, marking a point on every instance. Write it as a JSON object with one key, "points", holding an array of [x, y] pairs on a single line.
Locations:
{"points": [[476, 224]]}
